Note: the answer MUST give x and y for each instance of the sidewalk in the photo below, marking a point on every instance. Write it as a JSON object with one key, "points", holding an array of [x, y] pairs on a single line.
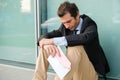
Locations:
{"points": [[8, 72]]}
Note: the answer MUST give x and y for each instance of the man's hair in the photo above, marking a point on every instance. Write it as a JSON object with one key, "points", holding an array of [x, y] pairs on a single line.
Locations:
{"points": [[67, 7]]}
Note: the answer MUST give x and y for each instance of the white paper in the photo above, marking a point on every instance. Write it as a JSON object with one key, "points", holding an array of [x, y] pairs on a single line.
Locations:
{"points": [[61, 65]]}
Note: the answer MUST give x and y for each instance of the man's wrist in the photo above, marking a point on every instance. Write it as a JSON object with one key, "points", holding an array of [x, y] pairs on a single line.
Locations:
{"points": [[60, 41], [50, 41]]}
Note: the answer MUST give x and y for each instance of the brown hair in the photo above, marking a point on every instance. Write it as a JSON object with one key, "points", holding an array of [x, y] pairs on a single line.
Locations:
{"points": [[67, 7]]}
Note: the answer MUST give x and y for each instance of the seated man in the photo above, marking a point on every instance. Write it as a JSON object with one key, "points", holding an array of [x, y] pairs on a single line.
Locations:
{"points": [[83, 48]]}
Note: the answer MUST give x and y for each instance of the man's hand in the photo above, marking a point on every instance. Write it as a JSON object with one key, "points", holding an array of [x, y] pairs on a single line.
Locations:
{"points": [[48, 45], [52, 50], [46, 42]]}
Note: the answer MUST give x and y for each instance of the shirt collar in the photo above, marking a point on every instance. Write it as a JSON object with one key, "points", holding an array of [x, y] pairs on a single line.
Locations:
{"points": [[80, 25]]}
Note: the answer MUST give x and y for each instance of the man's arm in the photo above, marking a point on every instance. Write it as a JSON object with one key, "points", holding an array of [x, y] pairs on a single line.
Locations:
{"points": [[86, 36], [52, 34]]}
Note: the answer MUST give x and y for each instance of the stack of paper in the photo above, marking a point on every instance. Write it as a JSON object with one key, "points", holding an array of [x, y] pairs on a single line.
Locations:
{"points": [[61, 65]]}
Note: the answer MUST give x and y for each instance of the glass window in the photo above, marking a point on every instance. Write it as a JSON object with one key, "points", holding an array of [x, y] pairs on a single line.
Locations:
{"points": [[17, 31]]}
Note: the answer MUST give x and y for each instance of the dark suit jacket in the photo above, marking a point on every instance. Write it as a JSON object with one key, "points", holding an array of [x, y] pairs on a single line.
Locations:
{"points": [[88, 37]]}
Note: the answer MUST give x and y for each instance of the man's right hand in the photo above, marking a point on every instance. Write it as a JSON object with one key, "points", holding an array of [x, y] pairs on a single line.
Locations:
{"points": [[52, 50], [44, 41]]}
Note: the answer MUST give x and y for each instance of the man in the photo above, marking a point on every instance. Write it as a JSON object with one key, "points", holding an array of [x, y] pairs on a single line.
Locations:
{"points": [[83, 48]]}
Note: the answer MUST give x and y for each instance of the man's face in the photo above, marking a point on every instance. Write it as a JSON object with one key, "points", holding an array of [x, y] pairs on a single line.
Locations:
{"points": [[69, 21]]}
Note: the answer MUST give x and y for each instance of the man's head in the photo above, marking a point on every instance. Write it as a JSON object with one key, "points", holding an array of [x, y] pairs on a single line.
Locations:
{"points": [[69, 15]]}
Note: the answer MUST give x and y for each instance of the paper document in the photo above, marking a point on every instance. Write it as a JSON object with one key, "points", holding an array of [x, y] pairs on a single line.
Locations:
{"points": [[61, 65]]}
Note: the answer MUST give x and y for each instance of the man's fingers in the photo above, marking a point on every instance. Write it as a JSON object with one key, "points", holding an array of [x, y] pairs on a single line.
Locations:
{"points": [[52, 50], [57, 51]]}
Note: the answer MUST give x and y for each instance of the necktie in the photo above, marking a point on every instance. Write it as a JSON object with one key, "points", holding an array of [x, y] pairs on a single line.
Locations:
{"points": [[75, 31]]}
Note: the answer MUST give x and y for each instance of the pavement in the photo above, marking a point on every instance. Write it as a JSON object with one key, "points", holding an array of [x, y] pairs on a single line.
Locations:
{"points": [[8, 72]]}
